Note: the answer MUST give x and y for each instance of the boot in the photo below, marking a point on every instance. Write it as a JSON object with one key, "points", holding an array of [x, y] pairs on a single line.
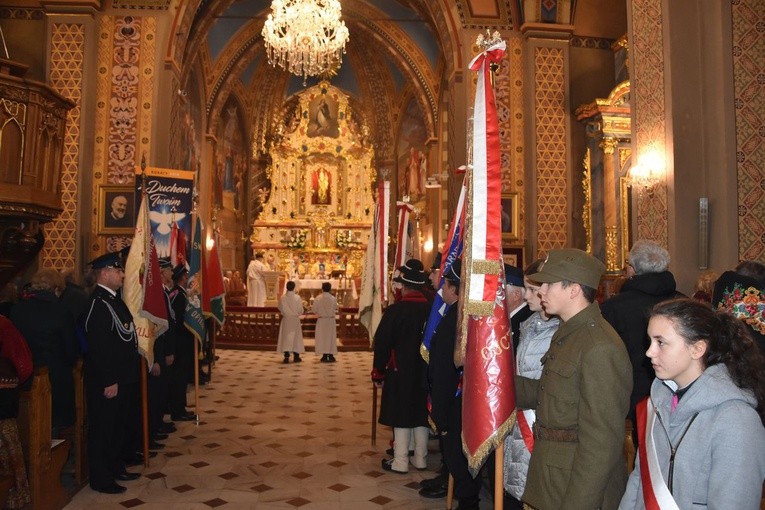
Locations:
{"points": [[420, 457], [401, 449], [286, 357], [296, 357]]}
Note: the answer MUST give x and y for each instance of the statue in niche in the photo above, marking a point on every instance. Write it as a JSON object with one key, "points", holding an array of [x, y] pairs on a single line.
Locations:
{"points": [[321, 187]]}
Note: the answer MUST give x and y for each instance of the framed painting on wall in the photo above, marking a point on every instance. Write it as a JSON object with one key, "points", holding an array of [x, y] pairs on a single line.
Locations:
{"points": [[510, 216], [513, 255], [116, 209]]}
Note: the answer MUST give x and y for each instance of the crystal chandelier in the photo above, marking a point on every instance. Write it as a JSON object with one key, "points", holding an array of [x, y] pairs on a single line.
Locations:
{"points": [[305, 37]]}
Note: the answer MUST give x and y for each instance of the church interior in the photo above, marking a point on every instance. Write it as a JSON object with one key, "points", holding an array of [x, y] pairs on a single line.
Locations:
{"points": [[620, 120]]}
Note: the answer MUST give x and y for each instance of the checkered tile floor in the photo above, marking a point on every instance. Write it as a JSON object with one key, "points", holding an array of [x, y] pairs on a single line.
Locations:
{"points": [[276, 436]]}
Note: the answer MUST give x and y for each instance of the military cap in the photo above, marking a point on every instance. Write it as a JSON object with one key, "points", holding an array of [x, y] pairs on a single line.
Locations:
{"points": [[111, 259], [411, 273], [179, 271], [164, 263], [453, 273], [572, 265], [513, 276]]}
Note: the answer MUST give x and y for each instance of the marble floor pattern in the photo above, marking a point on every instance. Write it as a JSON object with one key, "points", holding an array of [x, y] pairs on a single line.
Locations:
{"points": [[276, 436]]}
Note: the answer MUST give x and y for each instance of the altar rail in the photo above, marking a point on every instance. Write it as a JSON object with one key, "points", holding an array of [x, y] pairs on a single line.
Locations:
{"points": [[258, 328]]}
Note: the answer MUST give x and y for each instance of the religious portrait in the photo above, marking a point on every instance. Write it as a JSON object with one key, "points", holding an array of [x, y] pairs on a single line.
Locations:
{"points": [[323, 115], [321, 186], [116, 209]]}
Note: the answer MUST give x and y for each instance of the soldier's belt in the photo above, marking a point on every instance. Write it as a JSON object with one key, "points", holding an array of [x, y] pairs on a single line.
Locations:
{"points": [[559, 435]]}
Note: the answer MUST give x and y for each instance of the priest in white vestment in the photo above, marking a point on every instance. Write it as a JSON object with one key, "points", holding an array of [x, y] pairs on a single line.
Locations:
{"points": [[290, 331], [325, 306], [256, 283]]}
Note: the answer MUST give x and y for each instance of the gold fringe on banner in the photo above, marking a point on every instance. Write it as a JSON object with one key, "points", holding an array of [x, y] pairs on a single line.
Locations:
{"points": [[487, 267], [475, 462]]}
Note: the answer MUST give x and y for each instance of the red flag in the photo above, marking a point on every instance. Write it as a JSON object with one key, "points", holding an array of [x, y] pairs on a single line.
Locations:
{"points": [[488, 404], [177, 246], [213, 291]]}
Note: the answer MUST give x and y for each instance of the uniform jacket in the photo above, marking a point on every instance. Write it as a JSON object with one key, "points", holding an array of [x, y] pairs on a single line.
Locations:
{"points": [[585, 386], [325, 306], [628, 313], [535, 335], [290, 330], [397, 355], [720, 462], [112, 344], [443, 376]]}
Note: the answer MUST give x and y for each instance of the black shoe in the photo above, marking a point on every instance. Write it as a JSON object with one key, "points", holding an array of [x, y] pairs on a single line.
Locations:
{"points": [[286, 358], [166, 427], [126, 477], [387, 465], [297, 358], [324, 359], [184, 417], [434, 492], [389, 451], [332, 359], [110, 489], [159, 436], [153, 445], [438, 481]]}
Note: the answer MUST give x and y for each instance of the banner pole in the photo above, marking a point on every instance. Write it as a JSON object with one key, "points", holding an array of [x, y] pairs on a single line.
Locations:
{"points": [[374, 414], [145, 413], [499, 479], [196, 379], [450, 493]]}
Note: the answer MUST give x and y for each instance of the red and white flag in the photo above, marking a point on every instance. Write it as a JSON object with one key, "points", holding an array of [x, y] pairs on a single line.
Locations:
{"points": [[488, 404], [374, 279], [142, 289], [402, 238]]}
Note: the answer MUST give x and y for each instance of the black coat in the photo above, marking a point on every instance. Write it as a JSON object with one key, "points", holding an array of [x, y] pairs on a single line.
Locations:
{"points": [[397, 354], [443, 376], [628, 313], [49, 330], [515, 324], [112, 353]]}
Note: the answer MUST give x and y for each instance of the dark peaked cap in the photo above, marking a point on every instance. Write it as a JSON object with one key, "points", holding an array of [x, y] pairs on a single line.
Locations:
{"points": [[111, 259]]}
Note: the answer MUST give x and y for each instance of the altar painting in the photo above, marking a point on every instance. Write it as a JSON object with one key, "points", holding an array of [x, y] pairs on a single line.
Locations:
{"points": [[323, 117], [411, 154], [321, 186]]}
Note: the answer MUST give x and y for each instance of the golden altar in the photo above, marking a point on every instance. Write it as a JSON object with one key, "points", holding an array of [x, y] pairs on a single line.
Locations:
{"points": [[319, 208]]}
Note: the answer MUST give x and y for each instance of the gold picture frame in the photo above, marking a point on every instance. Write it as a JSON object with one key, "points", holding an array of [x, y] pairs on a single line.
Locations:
{"points": [[510, 220], [116, 209], [513, 255]]}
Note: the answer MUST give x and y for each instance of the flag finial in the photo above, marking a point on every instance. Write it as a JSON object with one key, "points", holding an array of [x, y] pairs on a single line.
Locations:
{"points": [[484, 42]]}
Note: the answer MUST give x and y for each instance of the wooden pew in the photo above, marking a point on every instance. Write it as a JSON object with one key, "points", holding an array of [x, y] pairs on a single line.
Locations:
{"points": [[44, 459], [79, 442]]}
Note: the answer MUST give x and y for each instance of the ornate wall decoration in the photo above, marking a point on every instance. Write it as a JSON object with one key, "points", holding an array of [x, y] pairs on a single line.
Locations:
{"points": [[496, 16], [517, 122], [648, 108], [550, 140], [125, 84], [67, 49], [748, 70]]}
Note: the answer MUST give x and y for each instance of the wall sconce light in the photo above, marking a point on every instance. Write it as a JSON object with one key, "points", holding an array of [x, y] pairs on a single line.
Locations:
{"points": [[647, 173], [428, 246]]}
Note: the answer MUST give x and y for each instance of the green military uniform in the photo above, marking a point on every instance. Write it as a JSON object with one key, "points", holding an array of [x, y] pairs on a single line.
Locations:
{"points": [[581, 401]]}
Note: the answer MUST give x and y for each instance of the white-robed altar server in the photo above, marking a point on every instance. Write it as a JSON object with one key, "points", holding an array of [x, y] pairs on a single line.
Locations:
{"points": [[290, 331], [325, 306], [256, 283]]}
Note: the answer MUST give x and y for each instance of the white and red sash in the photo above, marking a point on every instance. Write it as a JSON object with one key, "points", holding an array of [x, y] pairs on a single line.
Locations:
{"points": [[526, 419], [656, 495]]}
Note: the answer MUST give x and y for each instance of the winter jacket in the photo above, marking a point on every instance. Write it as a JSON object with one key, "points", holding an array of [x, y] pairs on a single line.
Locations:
{"points": [[628, 313], [720, 462], [535, 335]]}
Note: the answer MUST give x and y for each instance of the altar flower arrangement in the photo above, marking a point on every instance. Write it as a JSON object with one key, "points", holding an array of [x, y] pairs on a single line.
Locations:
{"points": [[344, 240], [296, 241]]}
